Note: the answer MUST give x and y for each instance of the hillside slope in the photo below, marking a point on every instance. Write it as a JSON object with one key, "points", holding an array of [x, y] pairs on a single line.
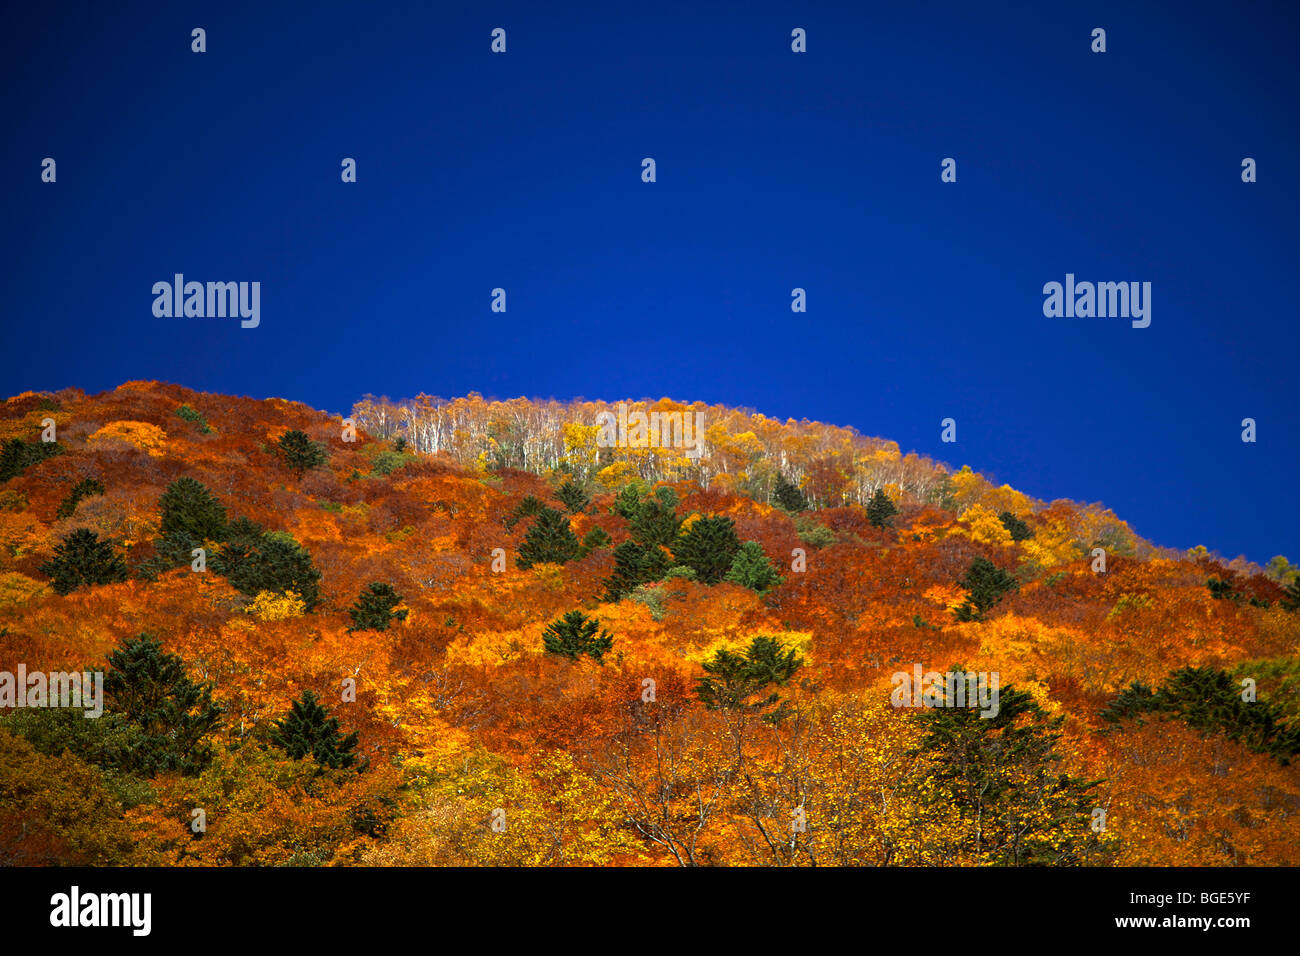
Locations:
{"points": [[739, 711]]}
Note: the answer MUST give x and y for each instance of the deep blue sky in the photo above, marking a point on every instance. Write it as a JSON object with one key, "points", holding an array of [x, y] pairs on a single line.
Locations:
{"points": [[775, 170]]}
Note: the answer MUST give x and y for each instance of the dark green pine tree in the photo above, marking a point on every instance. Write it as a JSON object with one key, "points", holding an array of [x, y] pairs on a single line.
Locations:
{"points": [[709, 548], [576, 634], [634, 565], [373, 610], [741, 681], [1018, 530], [788, 497], [170, 551], [1134, 700], [528, 508], [235, 562], [548, 539], [1221, 590], [655, 521], [85, 488], [572, 496], [309, 731], [628, 500], [1292, 600], [17, 456], [150, 688], [285, 565], [276, 563], [83, 559], [596, 537], [1209, 700], [881, 509], [245, 532], [985, 584], [652, 517], [190, 509], [753, 569], [194, 415], [300, 452], [1002, 774]]}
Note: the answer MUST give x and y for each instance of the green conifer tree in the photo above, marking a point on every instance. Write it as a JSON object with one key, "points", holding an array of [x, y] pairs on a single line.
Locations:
{"points": [[881, 509], [528, 508], [245, 532], [788, 497], [1001, 772], [1209, 700], [741, 681], [548, 539], [576, 634], [309, 731], [595, 538], [1292, 599], [985, 585], [753, 569], [1018, 530], [634, 565], [86, 488], [195, 416], [190, 509], [572, 496], [300, 452], [275, 563], [149, 687], [17, 456], [655, 522], [82, 558], [628, 500], [1222, 590], [170, 551], [709, 548], [373, 610]]}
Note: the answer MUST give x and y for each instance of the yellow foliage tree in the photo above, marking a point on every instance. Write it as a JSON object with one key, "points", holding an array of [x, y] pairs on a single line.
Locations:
{"points": [[148, 438], [272, 606], [984, 526]]}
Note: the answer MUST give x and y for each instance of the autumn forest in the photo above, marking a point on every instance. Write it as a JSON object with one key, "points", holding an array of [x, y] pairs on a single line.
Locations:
{"points": [[463, 632]]}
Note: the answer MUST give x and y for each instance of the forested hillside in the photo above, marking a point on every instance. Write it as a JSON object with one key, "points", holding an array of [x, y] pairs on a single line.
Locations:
{"points": [[461, 632]]}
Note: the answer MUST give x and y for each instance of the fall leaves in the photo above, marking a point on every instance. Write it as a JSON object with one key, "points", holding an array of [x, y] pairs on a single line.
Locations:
{"points": [[676, 663]]}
